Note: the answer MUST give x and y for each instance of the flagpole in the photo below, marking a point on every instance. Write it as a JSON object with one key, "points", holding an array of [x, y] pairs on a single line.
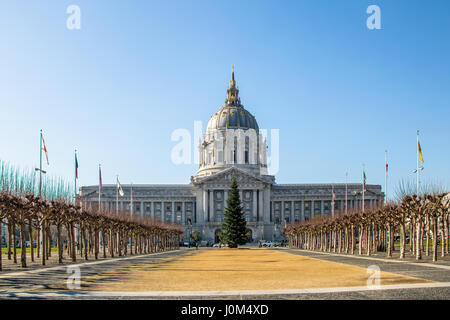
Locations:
{"points": [[131, 207], [40, 166], [117, 195], [418, 174], [75, 199], [363, 189], [346, 192], [385, 179], [99, 190], [332, 201], [41, 234]]}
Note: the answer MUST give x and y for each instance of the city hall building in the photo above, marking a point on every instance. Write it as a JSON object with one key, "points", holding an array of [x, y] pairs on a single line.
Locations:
{"points": [[233, 145]]}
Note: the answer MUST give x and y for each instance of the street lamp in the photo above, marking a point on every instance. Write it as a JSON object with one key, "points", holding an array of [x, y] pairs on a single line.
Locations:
{"points": [[415, 170], [40, 177]]}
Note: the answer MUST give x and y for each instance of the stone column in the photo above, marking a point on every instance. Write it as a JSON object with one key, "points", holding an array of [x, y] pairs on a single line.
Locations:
{"points": [[261, 205], [271, 211], [183, 214], [255, 205], [292, 212], [265, 217], [152, 210], [211, 205], [163, 211], [321, 207], [205, 205], [282, 213], [197, 210], [302, 210], [142, 208], [173, 211]]}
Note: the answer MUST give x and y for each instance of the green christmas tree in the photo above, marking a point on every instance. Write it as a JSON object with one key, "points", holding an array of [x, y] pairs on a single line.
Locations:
{"points": [[234, 221]]}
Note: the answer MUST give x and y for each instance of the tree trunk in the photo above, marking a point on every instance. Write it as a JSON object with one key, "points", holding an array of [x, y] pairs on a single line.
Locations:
{"points": [[111, 244], [9, 239], [402, 241], [1, 247], [131, 244], [374, 238], [361, 237], [49, 242], [418, 241], [104, 243], [85, 240], [44, 254], [389, 237], [30, 231], [60, 244], [434, 239], [428, 238], [23, 241], [97, 243], [442, 239], [14, 243], [38, 250], [1, 243], [73, 242], [446, 234], [353, 240]]}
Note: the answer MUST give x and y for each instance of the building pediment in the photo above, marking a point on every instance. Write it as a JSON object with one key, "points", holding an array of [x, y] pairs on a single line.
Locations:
{"points": [[225, 176]]}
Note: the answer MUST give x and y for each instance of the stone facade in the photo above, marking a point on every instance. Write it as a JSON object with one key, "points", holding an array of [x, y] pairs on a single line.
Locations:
{"points": [[233, 145]]}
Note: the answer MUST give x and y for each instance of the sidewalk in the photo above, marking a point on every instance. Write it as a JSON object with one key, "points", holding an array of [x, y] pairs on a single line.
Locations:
{"points": [[9, 266]]}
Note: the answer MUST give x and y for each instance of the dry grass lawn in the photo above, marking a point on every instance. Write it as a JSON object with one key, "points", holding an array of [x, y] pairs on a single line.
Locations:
{"points": [[236, 269]]}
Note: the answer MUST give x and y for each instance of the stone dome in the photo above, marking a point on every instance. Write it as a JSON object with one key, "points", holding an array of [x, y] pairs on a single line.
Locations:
{"points": [[232, 117], [233, 114], [232, 139]]}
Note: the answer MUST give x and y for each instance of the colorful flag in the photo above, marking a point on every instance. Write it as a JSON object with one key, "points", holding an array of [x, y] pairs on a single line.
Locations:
{"points": [[119, 188], [420, 150], [76, 166], [100, 184], [44, 148]]}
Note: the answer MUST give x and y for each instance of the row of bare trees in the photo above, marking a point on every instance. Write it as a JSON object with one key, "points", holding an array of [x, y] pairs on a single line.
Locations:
{"points": [[420, 221], [74, 231]]}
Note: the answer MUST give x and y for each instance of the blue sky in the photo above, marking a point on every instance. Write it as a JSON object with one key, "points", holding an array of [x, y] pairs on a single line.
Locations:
{"points": [[116, 89]]}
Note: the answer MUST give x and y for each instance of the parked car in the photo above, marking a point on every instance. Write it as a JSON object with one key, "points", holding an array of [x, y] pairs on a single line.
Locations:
{"points": [[268, 244]]}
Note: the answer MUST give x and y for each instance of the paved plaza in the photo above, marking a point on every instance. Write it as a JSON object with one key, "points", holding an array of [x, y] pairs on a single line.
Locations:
{"points": [[249, 273]]}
